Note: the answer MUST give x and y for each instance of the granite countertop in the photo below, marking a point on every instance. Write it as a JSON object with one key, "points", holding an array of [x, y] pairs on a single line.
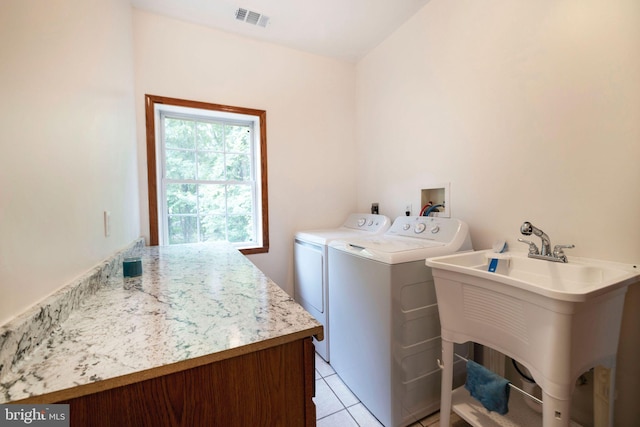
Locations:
{"points": [[193, 305]]}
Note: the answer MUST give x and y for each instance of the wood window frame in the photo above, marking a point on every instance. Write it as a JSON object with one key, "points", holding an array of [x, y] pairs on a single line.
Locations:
{"points": [[150, 103]]}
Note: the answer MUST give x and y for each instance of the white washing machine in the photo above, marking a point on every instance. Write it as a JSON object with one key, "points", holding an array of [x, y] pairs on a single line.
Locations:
{"points": [[311, 288], [385, 328]]}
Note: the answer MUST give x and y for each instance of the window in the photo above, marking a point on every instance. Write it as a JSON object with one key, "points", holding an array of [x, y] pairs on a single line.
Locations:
{"points": [[207, 173]]}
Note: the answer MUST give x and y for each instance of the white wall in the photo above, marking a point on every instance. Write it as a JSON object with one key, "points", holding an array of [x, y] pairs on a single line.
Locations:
{"points": [[67, 138], [310, 104], [531, 111]]}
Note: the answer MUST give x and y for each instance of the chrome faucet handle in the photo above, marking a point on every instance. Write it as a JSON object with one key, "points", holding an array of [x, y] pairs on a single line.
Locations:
{"points": [[559, 253], [533, 249]]}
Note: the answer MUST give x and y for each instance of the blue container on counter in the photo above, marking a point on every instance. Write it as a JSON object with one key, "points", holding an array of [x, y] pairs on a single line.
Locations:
{"points": [[132, 267]]}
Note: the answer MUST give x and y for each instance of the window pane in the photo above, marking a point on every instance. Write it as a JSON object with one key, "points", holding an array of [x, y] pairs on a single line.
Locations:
{"points": [[181, 199], [183, 229], [240, 228], [210, 166], [238, 167], [239, 200], [179, 133], [181, 164], [213, 228], [212, 199], [238, 138], [210, 136]]}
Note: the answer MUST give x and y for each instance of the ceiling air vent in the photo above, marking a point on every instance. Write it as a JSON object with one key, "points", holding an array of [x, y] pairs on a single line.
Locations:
{"points": [[251, 17]]}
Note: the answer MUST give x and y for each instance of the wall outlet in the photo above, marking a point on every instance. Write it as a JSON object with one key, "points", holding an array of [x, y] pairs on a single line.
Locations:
{"points": [[407, 209], [107, 223]]}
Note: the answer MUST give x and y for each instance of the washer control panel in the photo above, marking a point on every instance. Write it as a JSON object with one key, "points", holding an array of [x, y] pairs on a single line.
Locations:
{"points": [[431, 228]]}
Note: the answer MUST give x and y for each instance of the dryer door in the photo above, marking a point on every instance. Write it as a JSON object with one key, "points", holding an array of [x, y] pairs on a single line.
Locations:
{"points": [[308, 276]]}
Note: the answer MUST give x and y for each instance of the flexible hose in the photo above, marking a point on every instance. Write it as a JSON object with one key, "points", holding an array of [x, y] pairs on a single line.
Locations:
{"points": [[522, 374]]}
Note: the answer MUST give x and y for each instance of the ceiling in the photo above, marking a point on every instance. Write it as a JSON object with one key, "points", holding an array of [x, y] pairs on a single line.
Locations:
{"points": [[343, 29]]}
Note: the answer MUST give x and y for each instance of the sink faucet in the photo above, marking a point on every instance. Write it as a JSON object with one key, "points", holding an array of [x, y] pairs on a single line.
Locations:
{"points": [[557, 255], [527, 228]]}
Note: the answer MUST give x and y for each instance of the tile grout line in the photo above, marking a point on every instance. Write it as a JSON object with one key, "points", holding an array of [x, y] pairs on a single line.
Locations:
{"points": [[334, 392], [344, 407], [351, 415], [341, 409]]}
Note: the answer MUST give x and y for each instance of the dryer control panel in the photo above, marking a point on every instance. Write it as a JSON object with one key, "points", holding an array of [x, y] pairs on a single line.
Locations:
{"points": [[367, 222]]}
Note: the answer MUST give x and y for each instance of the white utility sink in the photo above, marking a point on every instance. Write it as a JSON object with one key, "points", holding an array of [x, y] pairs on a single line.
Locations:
{"points": [[577, 280], [557, 319]]}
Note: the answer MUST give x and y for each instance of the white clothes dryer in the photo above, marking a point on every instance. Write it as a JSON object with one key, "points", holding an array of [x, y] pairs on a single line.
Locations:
{"points": [[385, 328], [311, 288]]}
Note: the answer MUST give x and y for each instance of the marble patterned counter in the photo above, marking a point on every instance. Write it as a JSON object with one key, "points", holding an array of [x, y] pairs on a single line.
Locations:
{"points": [[193, 304]]}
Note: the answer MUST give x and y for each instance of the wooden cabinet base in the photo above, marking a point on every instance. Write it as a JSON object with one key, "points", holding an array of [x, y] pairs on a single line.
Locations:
{"points": [[271, 387]]}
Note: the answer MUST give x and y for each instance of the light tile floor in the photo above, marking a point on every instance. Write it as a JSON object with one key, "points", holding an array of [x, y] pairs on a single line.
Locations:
{"points": [[337, 406]]}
